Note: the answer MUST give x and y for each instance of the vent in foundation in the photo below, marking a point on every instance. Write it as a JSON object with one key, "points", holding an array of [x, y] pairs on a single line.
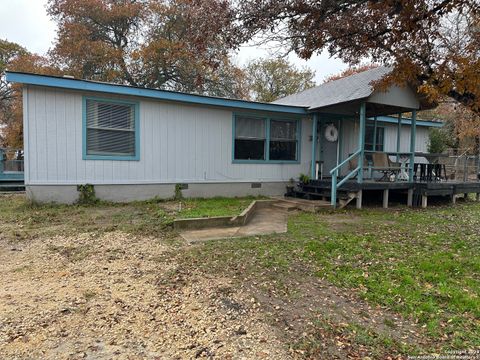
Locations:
{"points": [[256, 185], [183, 186]]}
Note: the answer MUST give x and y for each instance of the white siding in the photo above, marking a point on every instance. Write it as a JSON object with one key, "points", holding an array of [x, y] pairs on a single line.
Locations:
{"points": [[421, 139], [350, 133], [178, 143]]}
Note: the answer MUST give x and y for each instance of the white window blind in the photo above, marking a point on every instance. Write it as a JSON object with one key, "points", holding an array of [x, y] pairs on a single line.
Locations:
{"points": [[110, 128], [283, 130], [249, 128]]}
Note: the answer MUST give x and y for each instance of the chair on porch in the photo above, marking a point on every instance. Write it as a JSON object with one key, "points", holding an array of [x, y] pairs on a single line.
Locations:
{"points": [[383, 164], [353, 164]]}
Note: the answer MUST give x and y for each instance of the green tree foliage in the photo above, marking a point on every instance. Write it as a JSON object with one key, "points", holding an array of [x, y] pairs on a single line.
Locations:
{"points": [[437, 141], [271, 79]]}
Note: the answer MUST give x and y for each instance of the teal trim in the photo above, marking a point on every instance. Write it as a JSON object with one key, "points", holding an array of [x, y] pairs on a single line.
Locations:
{"points": [[352, 173], [375, 133], [380, 129], [385, 119], [87, 85], [314, 144], [413, 135], [407, 121], [136, 106], [334, 173], [361, 141], [267, 140]]}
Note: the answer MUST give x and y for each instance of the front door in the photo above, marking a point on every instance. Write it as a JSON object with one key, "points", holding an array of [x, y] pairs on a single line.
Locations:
{"points": [[329, 146]]}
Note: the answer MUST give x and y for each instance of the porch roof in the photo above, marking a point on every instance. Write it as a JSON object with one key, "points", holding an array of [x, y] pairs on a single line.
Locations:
{"points": [[343, 96]]}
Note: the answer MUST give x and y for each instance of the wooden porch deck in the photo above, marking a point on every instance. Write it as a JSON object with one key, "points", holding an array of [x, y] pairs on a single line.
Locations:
{"points": [[417, 192]]}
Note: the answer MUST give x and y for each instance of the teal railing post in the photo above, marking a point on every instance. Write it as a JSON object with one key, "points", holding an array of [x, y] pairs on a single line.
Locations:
{"points": [[413, 135], [314, 145], [333, 200], [399, 130], [374, 133], [361, 141]]}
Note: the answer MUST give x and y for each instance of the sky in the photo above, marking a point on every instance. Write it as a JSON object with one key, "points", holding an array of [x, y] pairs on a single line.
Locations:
{"points": [[26, 22]]}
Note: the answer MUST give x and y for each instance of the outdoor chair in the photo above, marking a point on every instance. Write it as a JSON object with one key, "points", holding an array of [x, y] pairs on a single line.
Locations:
{"points": [[352, 164], [383, 164]]}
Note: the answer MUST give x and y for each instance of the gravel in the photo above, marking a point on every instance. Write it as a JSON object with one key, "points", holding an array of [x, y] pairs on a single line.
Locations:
{"points": [[114, 295]]}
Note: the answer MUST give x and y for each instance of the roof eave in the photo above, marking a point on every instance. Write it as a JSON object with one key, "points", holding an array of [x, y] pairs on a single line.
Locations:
{"points": [[85, 85]]}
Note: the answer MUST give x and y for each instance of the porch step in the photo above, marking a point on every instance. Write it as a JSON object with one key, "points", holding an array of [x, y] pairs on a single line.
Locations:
{"points": [[285, 206], [291, 203], [12, 186], [342, 202], [341, 194]]}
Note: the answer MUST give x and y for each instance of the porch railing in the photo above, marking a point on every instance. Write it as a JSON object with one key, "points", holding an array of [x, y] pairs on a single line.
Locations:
{"points": [[334, 173], [11, 164]]}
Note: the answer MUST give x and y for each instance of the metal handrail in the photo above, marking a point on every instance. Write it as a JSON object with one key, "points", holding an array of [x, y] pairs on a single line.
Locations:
{"points": [[336, 168], [334, 173]]}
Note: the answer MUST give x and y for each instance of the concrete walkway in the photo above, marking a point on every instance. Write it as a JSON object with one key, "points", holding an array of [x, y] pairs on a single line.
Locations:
{"points": [[268, 220]]}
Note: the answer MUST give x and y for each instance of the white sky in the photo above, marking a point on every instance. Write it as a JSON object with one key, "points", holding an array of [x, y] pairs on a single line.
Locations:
{"points": [[27, 23]]}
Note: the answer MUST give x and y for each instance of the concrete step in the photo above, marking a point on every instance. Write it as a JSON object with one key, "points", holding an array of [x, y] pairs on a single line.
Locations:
{"points": [[285, 206], [303, 204]]}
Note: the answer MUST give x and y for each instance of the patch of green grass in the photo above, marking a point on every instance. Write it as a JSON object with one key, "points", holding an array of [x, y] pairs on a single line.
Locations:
{"points": [[22, 220], [423, 264], [218, 206]]}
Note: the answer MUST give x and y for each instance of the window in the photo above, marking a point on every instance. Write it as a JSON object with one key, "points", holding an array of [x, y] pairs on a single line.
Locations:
{"points": [[369, 130], [265, 139], [111, 130], [283, 140], [249, 138]]}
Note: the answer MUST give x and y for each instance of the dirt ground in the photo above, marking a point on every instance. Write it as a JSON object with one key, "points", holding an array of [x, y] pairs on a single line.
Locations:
{"points": [[106, 293], [118, 296]]}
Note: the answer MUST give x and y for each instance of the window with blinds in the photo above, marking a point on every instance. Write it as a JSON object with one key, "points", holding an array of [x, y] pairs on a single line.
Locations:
{"points": [[249, 138], [110, 129], [265, 139], [283, 140]]}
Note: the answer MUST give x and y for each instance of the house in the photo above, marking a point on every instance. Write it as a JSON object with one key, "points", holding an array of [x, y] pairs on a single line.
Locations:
{"points": [[136, 143]]}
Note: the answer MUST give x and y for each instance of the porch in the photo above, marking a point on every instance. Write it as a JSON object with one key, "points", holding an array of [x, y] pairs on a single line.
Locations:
{"points": [[415, 193], [370, 171], [11, 170], [356, 161]]}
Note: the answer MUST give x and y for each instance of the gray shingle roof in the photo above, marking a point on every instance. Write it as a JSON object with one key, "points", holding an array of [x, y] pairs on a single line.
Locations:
{"points": [[353, 87]]}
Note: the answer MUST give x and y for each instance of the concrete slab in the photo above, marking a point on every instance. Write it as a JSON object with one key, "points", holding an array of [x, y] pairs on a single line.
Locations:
{"points": [[209, 234], [265, 221]]}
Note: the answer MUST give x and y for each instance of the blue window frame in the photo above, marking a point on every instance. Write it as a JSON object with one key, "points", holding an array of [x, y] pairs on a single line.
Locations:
{"points": [[379, 143], [257, 139], [110, 129]]}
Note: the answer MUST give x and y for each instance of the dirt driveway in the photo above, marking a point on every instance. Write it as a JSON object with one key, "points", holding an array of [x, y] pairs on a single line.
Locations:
{"points": [[114, 295]]}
